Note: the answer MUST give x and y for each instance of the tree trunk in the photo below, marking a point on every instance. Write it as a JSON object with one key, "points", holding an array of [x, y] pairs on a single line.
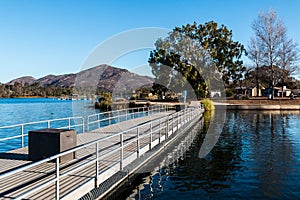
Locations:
{"points": [[273, 82], [257, 83]]}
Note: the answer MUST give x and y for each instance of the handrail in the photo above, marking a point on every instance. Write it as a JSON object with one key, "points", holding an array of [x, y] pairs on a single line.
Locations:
{"points": [[184, 116], [39, 122], [83, 123], [152, 109], [72, 150], [77, 148], [110, 117], [47, 124]]}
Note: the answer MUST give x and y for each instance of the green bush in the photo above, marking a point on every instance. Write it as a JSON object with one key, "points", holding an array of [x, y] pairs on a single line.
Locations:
{"points": [[103, 106], [229, 93], [104, 102], [208, 104]]}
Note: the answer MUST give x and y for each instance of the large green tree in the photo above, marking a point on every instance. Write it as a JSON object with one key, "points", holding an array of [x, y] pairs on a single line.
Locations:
{"points": [[192, 53]]}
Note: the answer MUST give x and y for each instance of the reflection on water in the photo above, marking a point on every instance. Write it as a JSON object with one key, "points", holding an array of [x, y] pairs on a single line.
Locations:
{"points": [[256, 156]]}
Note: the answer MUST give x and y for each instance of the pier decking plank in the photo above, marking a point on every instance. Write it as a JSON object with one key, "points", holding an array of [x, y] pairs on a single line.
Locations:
{"points": [[15, 185]]}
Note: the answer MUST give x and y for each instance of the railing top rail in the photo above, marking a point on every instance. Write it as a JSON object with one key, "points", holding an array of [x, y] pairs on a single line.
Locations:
{"points": [[39, 122], [74, 149], [107, 112], [60, 119]]}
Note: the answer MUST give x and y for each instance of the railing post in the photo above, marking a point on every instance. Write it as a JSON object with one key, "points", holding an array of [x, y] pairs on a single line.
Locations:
{"points": [[167, 132], [121, 151], [172, 123], [98, 120], [48, 122], [57, 178], [69, 123], [82, 119], [22, 134], [188, 115], [88, 123], [138, 143], [180, 118], [159, 134], [185, 116], [150, 145], [177, 120], [109, 118], [97, 165]]}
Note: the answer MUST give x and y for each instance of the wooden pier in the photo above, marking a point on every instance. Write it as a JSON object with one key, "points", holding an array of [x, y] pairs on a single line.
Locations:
{"points": [[100, 154]]}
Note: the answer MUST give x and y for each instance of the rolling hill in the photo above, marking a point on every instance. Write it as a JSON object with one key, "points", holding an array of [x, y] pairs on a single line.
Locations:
{"points": [[105, 77]]}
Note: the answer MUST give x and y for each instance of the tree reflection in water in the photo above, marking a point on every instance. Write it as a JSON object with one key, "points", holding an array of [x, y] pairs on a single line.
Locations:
{"points": [[256, 156]]}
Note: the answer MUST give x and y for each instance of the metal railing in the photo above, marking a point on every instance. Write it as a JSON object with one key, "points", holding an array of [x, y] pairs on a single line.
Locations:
{"points": [[20, 131], [98, 120], [138, 139]]}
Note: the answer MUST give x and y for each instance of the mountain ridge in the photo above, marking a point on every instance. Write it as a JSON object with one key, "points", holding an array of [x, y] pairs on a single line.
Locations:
{"points": [[105, 77]]}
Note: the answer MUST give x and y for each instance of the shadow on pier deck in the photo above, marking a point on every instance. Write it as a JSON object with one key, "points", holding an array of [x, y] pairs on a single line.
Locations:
{"points": [[100, 155]]}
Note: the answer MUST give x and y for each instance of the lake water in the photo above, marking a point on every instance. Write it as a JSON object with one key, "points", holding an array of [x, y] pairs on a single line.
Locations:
{"points": [[24, 110], [256, 157]]}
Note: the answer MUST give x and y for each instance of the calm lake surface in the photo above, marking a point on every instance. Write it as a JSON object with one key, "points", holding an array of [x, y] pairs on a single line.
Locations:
{"points": [[256, 157], [24, 110]]}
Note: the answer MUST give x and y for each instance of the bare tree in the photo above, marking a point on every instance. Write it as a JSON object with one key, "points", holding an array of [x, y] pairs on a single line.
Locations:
{"points": [[289, 56], [271, 47], [255, 54]]}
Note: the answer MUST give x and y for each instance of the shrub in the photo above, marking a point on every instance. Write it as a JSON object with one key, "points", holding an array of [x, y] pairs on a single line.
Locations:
{"points": [[104, 102], [208, 104], [229, 93]]}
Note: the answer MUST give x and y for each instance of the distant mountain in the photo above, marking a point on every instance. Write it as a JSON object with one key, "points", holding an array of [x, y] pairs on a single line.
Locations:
{"points": [[105, 77], [66, 80], [25, 79], [111, 79]]}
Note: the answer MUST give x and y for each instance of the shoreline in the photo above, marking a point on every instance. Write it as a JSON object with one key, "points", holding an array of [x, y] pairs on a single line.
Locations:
{"points": [[28, 97], [260, 107], [260, 104]]}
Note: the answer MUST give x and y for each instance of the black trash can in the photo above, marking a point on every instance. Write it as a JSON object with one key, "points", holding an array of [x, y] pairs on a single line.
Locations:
{"points": [[177, 108], [48, 142]]}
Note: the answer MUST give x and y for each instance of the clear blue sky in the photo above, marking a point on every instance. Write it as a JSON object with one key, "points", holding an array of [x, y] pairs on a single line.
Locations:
{"points": [[40, 37]]}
